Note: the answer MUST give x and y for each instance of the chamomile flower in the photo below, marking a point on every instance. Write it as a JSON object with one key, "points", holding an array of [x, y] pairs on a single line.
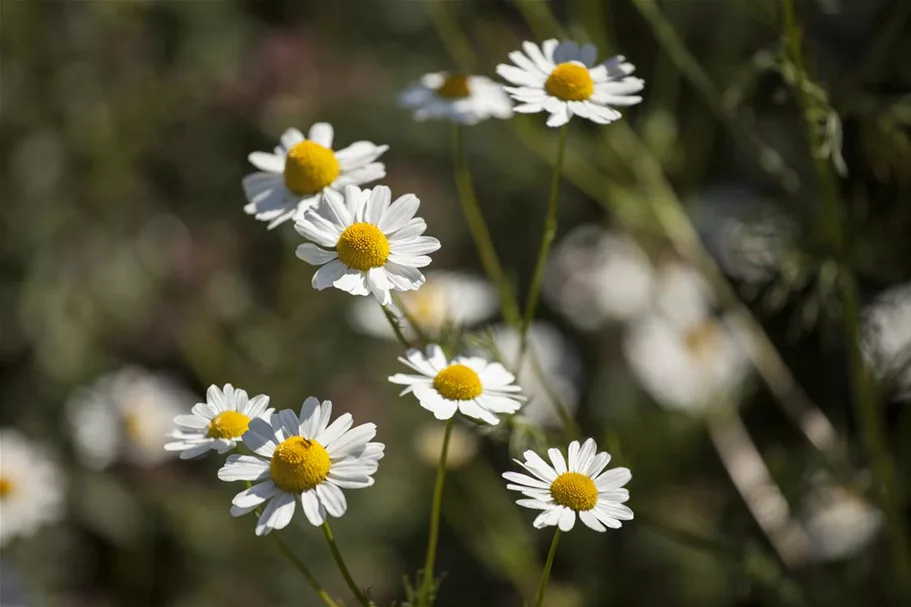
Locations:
{"points": [[125, 414], [31, 486], [457, 97], [446, 299], [886, 338], [292, 178], [577, 487], [472, 386], [563, 80], [217, 424], [302, 458], [377, 244]]}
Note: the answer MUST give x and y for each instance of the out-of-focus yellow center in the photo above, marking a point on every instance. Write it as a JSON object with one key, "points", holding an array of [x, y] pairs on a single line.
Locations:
{"points": [[309, 168], [363, 246], [6, 487], [228, 424], [299, 464], [132, 426], [454, 87], [570, 82], [575, 491], [458, 382], [426, 305], [702, 340]]}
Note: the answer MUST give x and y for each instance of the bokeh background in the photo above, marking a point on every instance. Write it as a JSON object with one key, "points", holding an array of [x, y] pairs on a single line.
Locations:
{"points": [[126, 126]]}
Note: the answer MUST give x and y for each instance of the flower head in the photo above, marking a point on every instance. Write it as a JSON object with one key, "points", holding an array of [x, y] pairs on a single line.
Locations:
{"points": [[31, 486], [125, 414], [291, 179], [471, 385], [580, 487], [457, 97], [563, 80], [217, 424], [378, 243], [302, 457]]}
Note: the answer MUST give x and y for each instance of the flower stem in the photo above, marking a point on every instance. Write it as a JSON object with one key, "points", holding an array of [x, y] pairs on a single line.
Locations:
{"points": [[547, 238], [358, 593], [478, 227], [425, 598], [323, 595], [545, 576], [394, 323]]}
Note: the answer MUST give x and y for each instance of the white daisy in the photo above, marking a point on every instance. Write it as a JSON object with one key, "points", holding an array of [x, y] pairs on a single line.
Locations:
{"points": [[125, 414], [290, 180], [218, 423], [690, 366], [302, 457], [578, 487], [446, 299], [563, 80], [596, 275], [471, 385], [886, 337], [31, 486], [558, 364], [840, 524], [457, 97], [377, 243]]}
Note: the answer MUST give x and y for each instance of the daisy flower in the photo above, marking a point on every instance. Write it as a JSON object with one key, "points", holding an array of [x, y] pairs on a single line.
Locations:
{"points": [[376, 244], [31, 486], [218, 423], [457, 97], [886, 337], [580, 486], [446, 299], [302, 458], [291, 180], [563, 80], [471, 385], [125, 414]]}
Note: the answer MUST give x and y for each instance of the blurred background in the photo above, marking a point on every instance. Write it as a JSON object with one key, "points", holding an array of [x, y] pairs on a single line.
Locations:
{"points": [[127, 256]]}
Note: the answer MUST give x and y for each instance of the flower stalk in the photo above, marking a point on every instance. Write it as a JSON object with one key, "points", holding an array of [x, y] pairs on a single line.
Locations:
{"points": [[426, 596], [545, 575]]}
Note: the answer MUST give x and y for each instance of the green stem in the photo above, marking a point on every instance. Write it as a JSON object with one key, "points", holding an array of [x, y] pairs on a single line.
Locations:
{"points": [[870, 421], [545, 576], [478, 227], [358, 593], [425, 598], [323, 595], [547, 238], [394, 323]]}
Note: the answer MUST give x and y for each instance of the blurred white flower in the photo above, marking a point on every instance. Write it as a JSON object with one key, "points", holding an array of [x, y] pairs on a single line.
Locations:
{"points": [[31, 486], [681, 294], [840, 524], [563, 80], [575, 487], [126, 414], [886, 336], [457, 97], [376, 244], [558, 363], [302, 457], [290, 180], [472, 386], [428, 441], [596, 275], [447, 298], [218, 423]]}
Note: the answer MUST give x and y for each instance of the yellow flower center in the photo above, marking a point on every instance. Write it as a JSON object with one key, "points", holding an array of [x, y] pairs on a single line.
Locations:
{"points": [[132, 426], [6, 487], [575, 491], [570, 82], [228, 424], [455, 87], [363, 246], [309, 168], [458, 382], [299, 465], [702, 339], [426, 305]]}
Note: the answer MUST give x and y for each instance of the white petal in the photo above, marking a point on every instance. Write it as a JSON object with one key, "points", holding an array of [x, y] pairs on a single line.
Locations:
{"points": [[267, 162], [524, 479], [557, 459], [358, 154], [247, 500], [335, 430], [277, 514], [352, 440], [352, 281], [613, 479], [332, 498], [591, 521], [309, 417], [314, 255], [328, 275], [567, 520], [321, 133], [397, 215], [379, 285], [291, 137], [313, 509]]}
